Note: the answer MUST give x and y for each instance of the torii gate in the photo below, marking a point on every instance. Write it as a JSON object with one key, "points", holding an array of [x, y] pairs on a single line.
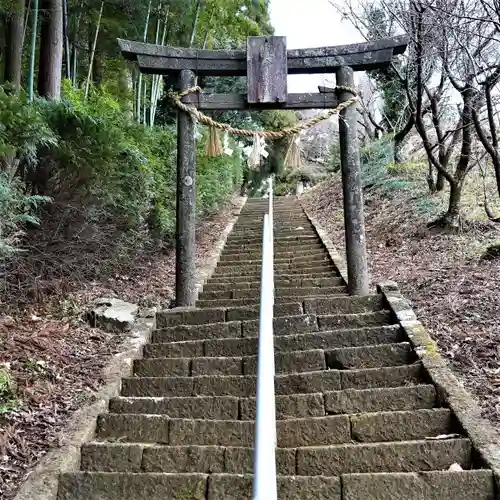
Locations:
{"points": [[266, 64]]}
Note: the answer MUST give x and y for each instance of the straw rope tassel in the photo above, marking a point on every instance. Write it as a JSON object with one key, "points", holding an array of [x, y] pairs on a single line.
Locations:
{"points": [[214, 147], [292, 158]]}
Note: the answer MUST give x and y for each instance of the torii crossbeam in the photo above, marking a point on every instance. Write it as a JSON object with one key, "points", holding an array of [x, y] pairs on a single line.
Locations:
{"points": [[266, 63]]}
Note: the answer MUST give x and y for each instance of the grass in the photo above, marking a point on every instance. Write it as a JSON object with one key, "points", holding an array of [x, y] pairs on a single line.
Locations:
{"points": [[8, 400]]}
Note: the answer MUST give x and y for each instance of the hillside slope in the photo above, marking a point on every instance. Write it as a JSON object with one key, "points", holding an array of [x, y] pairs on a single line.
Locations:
{"points": [[453, 289]]}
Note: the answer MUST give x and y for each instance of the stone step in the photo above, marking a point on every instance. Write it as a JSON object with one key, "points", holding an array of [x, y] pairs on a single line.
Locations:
{"points": [[191, 316], [254, 299], [287, 269], [210, 407], [278, 261], [256, 224], [306, 323], [252, 244], [161, 429], [279, 245], [280, 229], [279, 283], [234, 346], [298, 383], [301, 227], [338, 304], [281, 292], [285, 254], [230, 329], [121, 486], [253, 281], [285, 362], [349, 321], [299, 236], [435, 485], [287, 407], [286, 325], [279, 250], [161, 486], [279, 277], [333, 460], [277, 235], [292, 433]]}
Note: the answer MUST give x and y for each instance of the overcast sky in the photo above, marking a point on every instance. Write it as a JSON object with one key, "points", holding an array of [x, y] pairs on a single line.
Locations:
{"points": [[308, 24]]}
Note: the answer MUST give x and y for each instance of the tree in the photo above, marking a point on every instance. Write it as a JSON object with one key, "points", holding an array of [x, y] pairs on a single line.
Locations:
{"points": [[51, 49], [443, 79], [374, 21], [14, 44]]}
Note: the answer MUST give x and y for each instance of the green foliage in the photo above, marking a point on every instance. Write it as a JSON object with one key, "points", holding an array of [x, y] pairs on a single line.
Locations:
{"points": [[410, 168], [380, 25], [375, 157], [216, 177], [277, 120], [90, 153], [284, 186], [8, 399], [333, 158], [22, 131], [16, 210]]}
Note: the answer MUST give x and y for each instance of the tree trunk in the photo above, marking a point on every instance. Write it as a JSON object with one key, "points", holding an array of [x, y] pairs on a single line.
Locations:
{"points": [[51, 50], [399, 139], [451, 218], [440, 181], [14, 45]]}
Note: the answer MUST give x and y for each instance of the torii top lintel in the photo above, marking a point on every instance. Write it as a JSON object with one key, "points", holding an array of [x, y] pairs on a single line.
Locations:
{"points": [[157, 59]]}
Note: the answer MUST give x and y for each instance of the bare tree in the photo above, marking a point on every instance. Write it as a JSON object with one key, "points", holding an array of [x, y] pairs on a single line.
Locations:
{"points": [[446, 82]]}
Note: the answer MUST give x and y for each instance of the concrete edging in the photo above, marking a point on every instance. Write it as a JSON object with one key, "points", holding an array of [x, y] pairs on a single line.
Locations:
{"points": [[42, 482], [451, 392]]}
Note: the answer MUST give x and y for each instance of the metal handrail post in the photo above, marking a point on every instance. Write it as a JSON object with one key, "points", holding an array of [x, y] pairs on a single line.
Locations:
{"points": [[264, 482]]}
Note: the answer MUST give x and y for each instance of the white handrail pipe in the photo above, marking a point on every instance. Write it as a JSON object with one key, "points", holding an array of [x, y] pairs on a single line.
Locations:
{"points": [[264, 482]]}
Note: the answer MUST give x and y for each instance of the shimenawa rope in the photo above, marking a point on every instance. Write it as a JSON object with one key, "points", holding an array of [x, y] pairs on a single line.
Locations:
{"points": [[268, 134]]}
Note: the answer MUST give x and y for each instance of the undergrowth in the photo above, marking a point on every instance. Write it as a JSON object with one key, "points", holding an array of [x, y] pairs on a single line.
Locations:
{"points": [[88, 153], [406, 183], [81, 173]]}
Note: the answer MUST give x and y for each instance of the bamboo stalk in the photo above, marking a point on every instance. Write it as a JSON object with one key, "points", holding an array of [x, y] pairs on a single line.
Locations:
{"points": [[158, 78], [34, 28], [139, 79]]}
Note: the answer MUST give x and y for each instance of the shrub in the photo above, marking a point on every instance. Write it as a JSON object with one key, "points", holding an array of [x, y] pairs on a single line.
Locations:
{"points": [[22, 132], [375, 157], [8, 399], [333, 158], [89, 154]]}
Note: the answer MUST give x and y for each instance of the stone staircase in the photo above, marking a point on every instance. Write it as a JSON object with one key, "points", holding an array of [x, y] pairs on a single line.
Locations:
{"points": [[355, 408]]}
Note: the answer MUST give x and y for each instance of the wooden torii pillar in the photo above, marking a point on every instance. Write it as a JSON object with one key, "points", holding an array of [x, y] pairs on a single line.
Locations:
{"points": [[266, 64]]}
